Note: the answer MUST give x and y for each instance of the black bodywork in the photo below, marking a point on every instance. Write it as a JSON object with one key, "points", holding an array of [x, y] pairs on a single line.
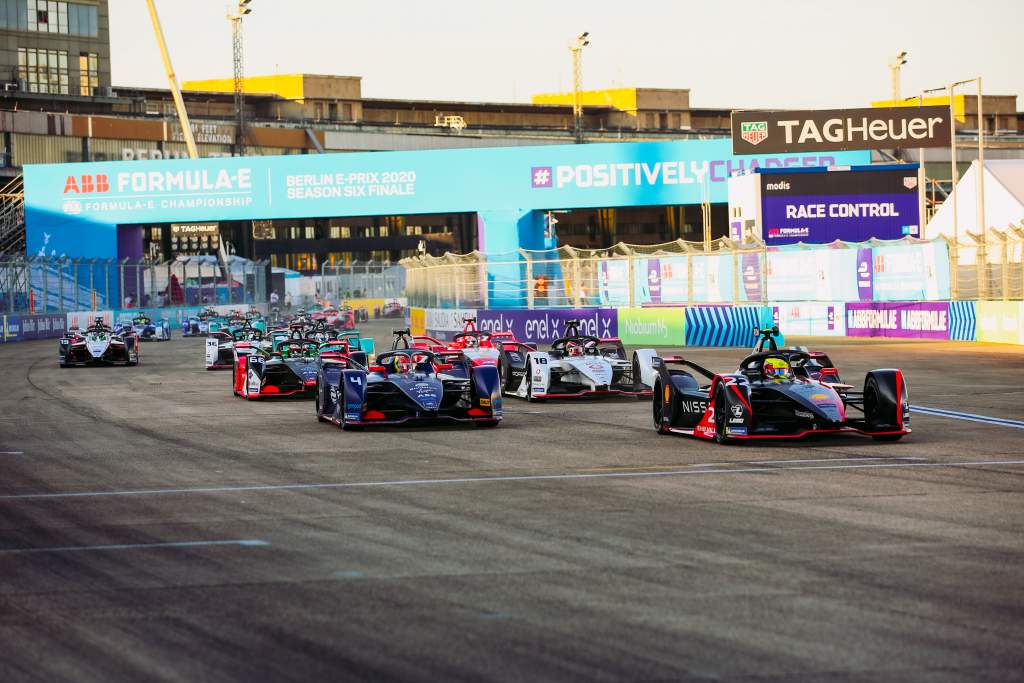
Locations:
{"points": [[690, 399]]}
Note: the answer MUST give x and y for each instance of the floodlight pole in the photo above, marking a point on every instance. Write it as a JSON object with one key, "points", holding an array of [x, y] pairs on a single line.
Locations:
{"points": [[179, 103], [235, 17], [576, 48]]}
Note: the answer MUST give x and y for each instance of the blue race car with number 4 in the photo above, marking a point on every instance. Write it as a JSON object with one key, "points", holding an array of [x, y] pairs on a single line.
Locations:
{"points": [[408, 385]]}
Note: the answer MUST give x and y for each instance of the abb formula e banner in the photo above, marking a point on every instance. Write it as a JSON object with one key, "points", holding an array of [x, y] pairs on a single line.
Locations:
{"points": [[761, 132], [854, 205]]}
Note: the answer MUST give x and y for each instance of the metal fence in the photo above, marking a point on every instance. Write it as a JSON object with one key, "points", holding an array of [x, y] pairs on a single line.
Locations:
{"points": [[989, 267], [361, 280], [41, 284]]}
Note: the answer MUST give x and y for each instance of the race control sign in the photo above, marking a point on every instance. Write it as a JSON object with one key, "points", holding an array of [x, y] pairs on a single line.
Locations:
{"points": [[833, 130]]}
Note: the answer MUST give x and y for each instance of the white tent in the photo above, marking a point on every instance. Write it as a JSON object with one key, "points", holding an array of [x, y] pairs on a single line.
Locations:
{"points": [[1004, 200]]}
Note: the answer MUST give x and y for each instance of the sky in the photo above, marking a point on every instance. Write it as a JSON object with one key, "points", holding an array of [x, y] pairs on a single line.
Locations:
{"points": [[800, 54]]}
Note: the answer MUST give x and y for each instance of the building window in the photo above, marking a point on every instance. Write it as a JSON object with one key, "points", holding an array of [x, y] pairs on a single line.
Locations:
{"points": [[88, 73], [50, 16], [44, 71], [310, 232]]}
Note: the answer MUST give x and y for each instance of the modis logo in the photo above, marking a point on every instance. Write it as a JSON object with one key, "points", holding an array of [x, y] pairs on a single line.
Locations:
{"points": [[87, 184]]}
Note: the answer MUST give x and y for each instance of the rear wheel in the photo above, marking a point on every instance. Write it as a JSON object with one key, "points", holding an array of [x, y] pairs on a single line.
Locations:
{"points": [[635, 371]]}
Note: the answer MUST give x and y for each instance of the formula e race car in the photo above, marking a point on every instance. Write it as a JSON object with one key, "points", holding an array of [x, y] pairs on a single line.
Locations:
{"points": [[408, 385], [289, 369], [577, 365], [777, 394], [220, 345], [147, 329], [482, 348], [198, 325], [98, 345]]}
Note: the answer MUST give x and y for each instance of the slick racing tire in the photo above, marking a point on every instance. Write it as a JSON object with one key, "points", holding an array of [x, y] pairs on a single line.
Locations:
{"points": [[720, 410], [319, 414], [873, 408], [658, 409], [636, 376]]}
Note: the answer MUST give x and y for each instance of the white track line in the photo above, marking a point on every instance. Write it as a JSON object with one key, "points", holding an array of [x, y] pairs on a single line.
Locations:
{"points": [[484, 480], [970, 417], [138, 546]]}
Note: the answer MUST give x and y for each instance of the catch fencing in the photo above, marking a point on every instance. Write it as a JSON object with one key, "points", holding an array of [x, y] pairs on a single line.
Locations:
{"points": [[685, 273], [45, 285], [361, 280]]}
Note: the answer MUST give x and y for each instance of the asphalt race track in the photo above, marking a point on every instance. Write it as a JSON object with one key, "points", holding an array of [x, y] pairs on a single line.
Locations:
{"points": [[153, 528]]}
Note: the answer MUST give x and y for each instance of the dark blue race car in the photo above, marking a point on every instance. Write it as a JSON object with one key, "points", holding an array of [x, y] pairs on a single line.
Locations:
{"points": [[408, 385]]}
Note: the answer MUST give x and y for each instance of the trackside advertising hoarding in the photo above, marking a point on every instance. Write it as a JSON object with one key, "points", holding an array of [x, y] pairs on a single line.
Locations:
{"points": [[71, 209], [756, 132], [915, 320], [656, 327], [14, 328], [545, 326], [852, 206]]}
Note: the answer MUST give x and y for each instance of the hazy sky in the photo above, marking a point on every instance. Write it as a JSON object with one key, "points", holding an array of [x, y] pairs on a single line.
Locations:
{"points": [[739, 53]]}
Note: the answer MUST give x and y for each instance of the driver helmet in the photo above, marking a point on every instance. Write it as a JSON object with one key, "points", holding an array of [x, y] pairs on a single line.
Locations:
{"points": [[777, 369], [472, 342], [575, 349], [403, 364]]}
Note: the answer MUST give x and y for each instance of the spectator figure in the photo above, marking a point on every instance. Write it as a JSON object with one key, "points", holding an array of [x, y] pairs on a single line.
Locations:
{"points": [[274, 298]]}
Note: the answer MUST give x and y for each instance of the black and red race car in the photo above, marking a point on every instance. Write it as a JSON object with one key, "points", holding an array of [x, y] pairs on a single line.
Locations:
{"points": [[777, 394]]}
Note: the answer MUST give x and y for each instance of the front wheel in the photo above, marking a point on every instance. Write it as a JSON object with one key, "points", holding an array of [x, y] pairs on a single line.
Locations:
{"points": [[319, 412], [658, 409], [719, 415]]}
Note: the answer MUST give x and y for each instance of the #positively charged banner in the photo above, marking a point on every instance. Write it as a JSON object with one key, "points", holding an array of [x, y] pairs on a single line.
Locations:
{"points": [[67, 203]]}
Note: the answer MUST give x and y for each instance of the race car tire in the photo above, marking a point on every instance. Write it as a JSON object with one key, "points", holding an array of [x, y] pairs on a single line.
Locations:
{"points": [[720, 410], [319, 415], [876, 408], [636, 376], [658, 409]]}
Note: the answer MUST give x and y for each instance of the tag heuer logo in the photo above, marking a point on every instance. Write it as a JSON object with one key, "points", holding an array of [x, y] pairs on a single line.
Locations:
{"points": [[910, 182], [754, 132]]}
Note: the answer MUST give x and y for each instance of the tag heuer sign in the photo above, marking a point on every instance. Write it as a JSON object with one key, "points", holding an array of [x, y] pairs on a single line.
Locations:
{"points": [[754, 131], [835, 130]]}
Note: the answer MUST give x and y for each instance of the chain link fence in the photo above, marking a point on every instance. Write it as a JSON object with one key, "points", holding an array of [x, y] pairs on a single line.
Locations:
{"points": [[727, 272], [44, 285], [361, 280]]}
